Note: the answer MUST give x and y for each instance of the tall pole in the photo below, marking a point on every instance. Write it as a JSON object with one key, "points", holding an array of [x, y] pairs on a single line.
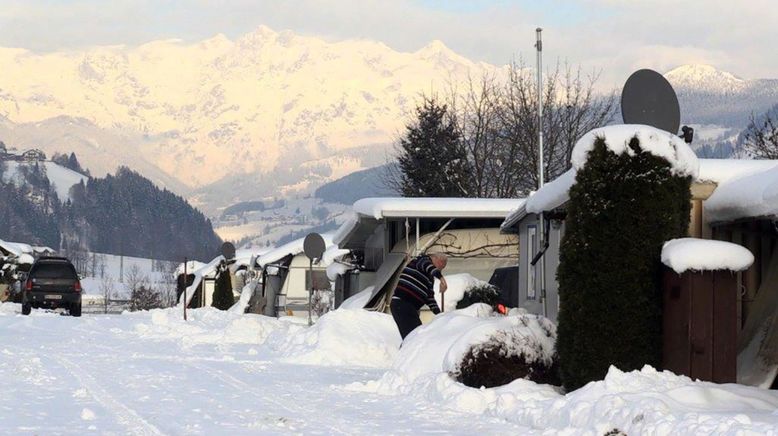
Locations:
{"points": [[186, 282], [541, 166], [310, 292]]}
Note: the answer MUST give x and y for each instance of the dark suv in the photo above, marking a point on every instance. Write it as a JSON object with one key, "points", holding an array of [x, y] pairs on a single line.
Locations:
{"points": [[52, 283]]}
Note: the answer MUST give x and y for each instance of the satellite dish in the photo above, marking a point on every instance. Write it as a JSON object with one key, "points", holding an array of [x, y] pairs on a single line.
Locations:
{"points": [[314, 246], [228, 250], [648, 98]]}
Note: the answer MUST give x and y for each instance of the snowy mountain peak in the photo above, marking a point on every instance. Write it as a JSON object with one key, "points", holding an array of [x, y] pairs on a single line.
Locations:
{"points": [[702, 76], [220, 108]]}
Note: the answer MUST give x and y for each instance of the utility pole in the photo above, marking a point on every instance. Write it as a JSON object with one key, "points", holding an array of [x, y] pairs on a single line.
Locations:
{"points": [[541, 167], [186, 282]]}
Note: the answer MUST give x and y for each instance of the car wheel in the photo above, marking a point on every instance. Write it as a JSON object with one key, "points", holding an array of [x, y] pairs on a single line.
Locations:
{"points": [[75, 309], [26, 308]]}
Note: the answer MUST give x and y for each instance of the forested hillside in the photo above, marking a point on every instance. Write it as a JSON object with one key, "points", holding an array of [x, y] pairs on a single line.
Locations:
{"points": [[124, 213]]}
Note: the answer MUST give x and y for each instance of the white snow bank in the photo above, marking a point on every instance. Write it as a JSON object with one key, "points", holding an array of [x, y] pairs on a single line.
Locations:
{"points": [[379, 208], [652, 140], [637, 402], [457, 285], [358, 300], [342, 337], [755, 195], [693, 254], [439, 346]]}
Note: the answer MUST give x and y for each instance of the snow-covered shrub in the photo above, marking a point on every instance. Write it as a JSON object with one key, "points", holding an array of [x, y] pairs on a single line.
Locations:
{"points": [[438, 349], [509, 355], [632, 193], [480, 293]]}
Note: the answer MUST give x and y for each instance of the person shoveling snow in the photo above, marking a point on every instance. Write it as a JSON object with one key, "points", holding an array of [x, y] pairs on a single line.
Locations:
{"points": [[415, 289]]}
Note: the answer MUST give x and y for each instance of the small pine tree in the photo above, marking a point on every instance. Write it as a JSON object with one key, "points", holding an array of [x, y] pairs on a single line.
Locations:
{"points": [[432, 160], [222, 294], [621, 210]]}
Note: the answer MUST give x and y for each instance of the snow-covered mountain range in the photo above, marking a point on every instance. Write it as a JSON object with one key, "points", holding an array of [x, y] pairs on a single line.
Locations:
{"points": [[192, 114], [714, 97]]}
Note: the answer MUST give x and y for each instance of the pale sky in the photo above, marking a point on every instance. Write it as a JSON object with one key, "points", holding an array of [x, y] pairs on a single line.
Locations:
{"points": [[614, 36]]}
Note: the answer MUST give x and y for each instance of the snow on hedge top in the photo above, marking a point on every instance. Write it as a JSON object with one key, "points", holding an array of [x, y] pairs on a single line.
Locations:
{"points": [[693, 254], [655, 141], [423, 207], [754, 195]]}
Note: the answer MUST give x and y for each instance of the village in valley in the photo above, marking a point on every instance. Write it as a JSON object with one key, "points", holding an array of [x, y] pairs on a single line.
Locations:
{"points": [[316, 233]]}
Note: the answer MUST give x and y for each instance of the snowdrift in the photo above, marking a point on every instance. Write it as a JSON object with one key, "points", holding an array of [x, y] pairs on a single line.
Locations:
{"points": [[439, 347], [637, 402], [341, 337]]}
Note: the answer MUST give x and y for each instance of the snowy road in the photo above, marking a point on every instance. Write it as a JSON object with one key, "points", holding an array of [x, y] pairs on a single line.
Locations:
{"points": [[148, 375]]}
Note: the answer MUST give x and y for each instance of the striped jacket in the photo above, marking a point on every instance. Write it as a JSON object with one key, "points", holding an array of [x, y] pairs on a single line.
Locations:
{"points": [[416, 280]]}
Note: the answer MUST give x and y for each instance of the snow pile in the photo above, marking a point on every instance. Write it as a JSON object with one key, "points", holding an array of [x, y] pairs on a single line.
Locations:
{"points": [[341, 337], [457, 285], [652, 140], [637, 402], [358, 300], [705, 255], [439, 347], [755, 195], [210, 326]]}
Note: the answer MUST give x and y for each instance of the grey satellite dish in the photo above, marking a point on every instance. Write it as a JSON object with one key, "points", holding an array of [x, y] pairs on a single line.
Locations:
{"points": [[228, 250], [648, 98], [314, 246]]}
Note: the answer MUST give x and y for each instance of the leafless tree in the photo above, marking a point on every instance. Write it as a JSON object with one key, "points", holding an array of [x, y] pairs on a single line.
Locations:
{"points": [[497, 120], [134, 278], [761, 138], [106, 289]]}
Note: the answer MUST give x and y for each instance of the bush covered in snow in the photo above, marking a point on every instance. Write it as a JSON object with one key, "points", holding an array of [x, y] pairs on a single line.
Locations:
{"points": [[480, 293], [442, 347], [510, 355], [627, 201]]}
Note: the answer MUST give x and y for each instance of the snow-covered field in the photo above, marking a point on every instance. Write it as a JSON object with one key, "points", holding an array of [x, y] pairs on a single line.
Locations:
{"points": [[223, 373]]}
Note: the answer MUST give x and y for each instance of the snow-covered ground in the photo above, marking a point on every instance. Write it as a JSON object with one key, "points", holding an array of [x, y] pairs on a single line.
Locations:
{"points": [[224, 373]]}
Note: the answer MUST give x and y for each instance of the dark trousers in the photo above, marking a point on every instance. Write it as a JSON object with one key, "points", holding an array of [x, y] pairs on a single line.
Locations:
{"points": [[405, 315]]}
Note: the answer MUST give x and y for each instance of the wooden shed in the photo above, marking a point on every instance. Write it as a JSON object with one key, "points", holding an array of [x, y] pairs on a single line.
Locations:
{"points": [[700, 312]]}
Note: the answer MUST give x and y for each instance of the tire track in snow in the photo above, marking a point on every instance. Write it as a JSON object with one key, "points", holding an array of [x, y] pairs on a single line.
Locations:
{"points": [[245, 387], [126, 416]]}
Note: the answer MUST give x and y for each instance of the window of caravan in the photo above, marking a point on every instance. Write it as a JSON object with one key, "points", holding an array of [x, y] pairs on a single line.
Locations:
{"points": [[532, 236]]}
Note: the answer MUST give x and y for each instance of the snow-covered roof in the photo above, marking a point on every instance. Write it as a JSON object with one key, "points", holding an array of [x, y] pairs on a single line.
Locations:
{"points": [[691, 254], [723, 170], [652, 140], [373, 209], [755, 195], [16, 248], [423, 207], [291, 248]]}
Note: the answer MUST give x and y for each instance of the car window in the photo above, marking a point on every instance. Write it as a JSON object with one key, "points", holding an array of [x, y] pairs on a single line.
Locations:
{"points": [[54, 271]]}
